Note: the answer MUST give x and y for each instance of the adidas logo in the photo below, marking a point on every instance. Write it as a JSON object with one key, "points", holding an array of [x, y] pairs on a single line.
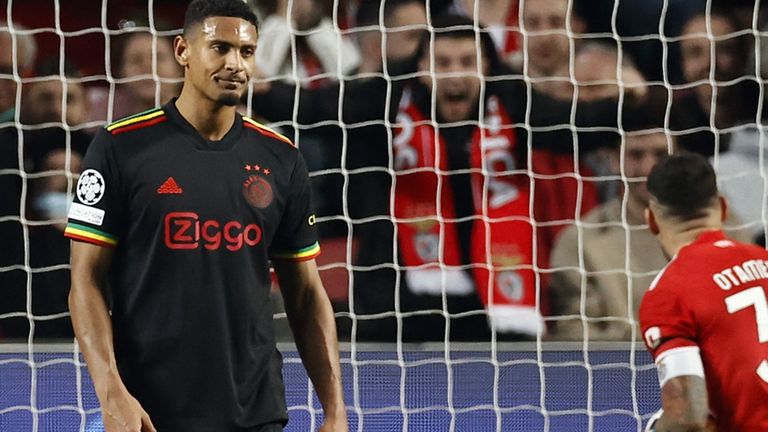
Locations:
{"points": [[169, 187]]}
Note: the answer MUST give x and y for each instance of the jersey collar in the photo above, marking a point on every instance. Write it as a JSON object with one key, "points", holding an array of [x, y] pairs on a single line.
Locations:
{"points": [[226, 143]]}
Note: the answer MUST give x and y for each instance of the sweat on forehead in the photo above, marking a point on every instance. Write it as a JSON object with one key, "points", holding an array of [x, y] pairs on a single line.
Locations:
{"points": [[199, 10], [225, 28]]}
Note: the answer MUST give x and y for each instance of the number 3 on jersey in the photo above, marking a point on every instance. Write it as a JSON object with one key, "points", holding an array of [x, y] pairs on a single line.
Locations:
{"points": [[753, 297]]}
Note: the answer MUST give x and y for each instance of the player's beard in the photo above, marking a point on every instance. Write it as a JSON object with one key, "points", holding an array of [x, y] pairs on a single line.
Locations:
{"points": [[229, 99]]}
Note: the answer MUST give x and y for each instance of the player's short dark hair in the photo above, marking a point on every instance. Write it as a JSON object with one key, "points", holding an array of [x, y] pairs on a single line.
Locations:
{"points": [[199, 10], [685, 185], [455, 26]]}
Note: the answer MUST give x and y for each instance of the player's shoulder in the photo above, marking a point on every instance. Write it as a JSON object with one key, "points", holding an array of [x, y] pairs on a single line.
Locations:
{"points": [[714, 250], [664, 294], [668, 278], [139, 121], [266, 132], [697, 262]]}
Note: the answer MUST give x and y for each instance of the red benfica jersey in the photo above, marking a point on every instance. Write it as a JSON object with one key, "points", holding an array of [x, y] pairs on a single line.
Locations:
{"points": [[713, 295]]}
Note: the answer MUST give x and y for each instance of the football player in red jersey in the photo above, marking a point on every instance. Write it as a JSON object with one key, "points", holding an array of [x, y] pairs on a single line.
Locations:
{"points": [[705, 317]]}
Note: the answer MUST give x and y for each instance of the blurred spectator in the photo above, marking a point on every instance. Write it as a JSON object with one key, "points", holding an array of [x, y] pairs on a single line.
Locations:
{"points": [[147, 76], [49, 249], [608, 261], [321, 52], [741, 170], [458, 111], [44, 106], [405, 22], [564, 188], [44, 146], [26, 52], [741, 177], [445, 235], [547, 53], [596, 70], [45, 101], [48, 252], [500, 20], [714, 99], [11, 165], [720, 109]]}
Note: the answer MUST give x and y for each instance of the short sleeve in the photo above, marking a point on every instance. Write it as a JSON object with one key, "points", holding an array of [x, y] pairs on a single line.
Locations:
{"points": [[665, 321], [296, 237], [97, 211]]}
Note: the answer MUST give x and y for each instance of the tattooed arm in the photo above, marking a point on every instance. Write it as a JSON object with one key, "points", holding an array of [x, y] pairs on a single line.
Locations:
{"points": [[685, 405]]}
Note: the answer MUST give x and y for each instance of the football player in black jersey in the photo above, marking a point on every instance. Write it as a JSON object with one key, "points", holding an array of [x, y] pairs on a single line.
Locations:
{"points": [[177, 216]]}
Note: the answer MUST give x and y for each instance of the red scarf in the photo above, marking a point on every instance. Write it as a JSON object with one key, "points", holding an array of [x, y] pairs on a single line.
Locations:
{"points": [[501, 247]]}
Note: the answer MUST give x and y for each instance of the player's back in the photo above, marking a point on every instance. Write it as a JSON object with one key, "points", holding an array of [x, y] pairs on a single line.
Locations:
{"points": [[713, 295]]}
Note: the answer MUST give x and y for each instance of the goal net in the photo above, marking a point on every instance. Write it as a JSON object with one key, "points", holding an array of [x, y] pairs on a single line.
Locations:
{"points": [[477, 171]]}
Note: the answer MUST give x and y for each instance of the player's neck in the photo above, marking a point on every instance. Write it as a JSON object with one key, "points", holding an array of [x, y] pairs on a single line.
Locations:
{"points": [[211, 119], [685, 233]]}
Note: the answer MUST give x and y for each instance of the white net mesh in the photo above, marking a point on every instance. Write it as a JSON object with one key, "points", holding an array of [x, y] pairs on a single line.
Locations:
{"points": [[455, 269]]}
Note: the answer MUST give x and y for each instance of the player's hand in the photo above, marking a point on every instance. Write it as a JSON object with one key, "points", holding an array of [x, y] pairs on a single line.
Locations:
{"points": [[123, 413], [337, 423], [651, 426]]}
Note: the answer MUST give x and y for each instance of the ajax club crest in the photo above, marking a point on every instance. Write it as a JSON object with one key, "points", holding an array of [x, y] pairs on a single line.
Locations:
{"points": [[256, 189]]}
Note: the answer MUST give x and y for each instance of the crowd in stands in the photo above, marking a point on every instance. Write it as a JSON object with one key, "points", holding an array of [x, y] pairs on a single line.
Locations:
{"points": [[486, 159]]}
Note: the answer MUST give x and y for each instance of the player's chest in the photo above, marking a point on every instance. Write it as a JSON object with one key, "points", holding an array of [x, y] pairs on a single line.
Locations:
{"points": [[218, 188]]}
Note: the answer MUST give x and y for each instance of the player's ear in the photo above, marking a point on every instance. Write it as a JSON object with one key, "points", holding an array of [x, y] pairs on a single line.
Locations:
{"points": [[650, 219], [723, 208], [181, 50]]}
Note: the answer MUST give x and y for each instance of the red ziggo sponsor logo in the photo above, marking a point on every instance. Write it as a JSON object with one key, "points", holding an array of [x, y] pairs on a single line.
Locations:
{"points": [[185, 230]]}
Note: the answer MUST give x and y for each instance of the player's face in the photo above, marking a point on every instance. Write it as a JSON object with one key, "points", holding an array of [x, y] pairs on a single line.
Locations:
{"points": [[548, 47], [641, 153], [219, 58], [457, 87]]}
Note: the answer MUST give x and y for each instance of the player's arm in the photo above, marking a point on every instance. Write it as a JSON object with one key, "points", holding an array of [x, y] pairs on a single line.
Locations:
{"points": [[684, 400], [314, 329], [93, 329], [685, 406]]}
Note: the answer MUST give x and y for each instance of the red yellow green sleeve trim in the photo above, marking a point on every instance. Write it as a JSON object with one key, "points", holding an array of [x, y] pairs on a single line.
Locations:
{"points": [[305, 254], [138, 121], [89, 235]]}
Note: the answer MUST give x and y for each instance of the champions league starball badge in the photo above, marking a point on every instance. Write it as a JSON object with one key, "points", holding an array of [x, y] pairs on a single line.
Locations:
{"points": [[90, 187]]}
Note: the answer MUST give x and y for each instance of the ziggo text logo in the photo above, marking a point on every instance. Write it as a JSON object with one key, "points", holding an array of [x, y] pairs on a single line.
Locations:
{"points": [[185, 230]]}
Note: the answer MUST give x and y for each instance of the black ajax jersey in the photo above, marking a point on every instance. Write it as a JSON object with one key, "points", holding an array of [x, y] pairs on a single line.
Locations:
{"points": [[194, 224]]}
